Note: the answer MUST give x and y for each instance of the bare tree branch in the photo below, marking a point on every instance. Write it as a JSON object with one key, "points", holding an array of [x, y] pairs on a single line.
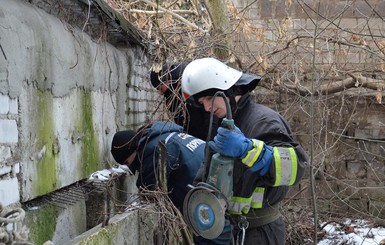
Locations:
{"points": [[354, 81], [183, 20], [152, 12]]}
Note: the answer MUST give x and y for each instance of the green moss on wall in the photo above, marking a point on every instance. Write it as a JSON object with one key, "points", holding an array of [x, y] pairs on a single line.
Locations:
{"points": [[41, 224], [104, 236], [46, 168], [84, 125]]}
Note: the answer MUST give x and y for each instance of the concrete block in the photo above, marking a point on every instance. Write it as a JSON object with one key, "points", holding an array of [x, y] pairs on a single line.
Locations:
{"points": [[356, 170], [346, 23], [266, 9], [350, 189], [132, 93], [326, 189], [3, 75], [55, 221], [8, 131], [376, 171], [122, 229], [369, 133], [253, 13], [377, 209], [5, 170], [15, 169], [4, 104], [5, 154], [143, 95], [299, 24], [269, 35], [135, 81], [142, 117], [9, 191], [142, 106], [13, 106], [374, 190]]}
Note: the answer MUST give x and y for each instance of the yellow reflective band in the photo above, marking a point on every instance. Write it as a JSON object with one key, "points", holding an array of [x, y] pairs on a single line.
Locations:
{"points": [[285, 166], [258, 197], [239, 205], [242, 205], [278, 169], [294, 166], [253, 154]]}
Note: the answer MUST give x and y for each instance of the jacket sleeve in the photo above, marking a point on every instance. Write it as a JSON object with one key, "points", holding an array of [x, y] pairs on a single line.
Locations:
{"points": [[286, 158], [253, 190]]}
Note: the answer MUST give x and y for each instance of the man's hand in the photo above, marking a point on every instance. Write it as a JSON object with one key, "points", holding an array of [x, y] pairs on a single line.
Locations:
{"points": [[231, 143]]}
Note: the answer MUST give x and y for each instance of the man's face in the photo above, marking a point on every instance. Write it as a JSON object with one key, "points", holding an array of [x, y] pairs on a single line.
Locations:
{"points": [[163, 88], [219, 106], [130, 159]]}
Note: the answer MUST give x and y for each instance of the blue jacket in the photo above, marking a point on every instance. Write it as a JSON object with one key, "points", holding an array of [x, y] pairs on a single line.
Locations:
{"points": [[185, 155]]}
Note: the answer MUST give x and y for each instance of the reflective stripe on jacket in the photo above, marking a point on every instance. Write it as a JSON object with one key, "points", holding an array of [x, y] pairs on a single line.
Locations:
{"points": [[264, 125]]}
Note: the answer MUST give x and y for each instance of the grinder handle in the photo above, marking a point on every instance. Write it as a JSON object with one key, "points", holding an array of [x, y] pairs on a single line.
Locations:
{"points": [[227, 123]]}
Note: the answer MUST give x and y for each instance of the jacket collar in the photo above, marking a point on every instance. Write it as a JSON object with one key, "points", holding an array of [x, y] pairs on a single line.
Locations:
{"points": [[238, 107]]}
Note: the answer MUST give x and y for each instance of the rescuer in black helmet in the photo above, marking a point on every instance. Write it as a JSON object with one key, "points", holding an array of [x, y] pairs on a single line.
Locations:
{"points": [[187, 113]]}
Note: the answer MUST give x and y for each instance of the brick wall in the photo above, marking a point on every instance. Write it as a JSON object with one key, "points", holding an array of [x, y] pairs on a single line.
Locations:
{"points": [[348, 151], [349, 35], [9, 191], [348, 127]]}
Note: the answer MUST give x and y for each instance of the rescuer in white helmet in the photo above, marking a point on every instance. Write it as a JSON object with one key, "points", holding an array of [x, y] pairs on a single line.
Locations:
{"points": [[267, 158]]}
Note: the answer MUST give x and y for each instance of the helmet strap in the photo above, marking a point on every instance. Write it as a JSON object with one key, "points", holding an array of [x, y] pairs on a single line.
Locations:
{"points": [[233, 104], [231, 93]]}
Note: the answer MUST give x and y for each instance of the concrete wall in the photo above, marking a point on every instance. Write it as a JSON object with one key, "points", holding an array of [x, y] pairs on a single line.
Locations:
{"points": [[64, 92], [137, 227], [123, 229]]}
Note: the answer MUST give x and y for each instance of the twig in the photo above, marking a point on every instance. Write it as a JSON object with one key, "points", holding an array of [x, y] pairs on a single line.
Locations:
{"points": [[185, 21], [140, 11]]}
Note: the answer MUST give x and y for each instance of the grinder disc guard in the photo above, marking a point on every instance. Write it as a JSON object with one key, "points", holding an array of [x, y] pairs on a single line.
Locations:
{"points": [[204, 211]]}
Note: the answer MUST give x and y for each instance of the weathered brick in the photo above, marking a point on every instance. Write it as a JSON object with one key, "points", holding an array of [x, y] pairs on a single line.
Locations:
{"points": [[5, 154], [356, 169], [4, 104], [376, 169], [5, 170], [9, 191], [370, 133], [8, 131], [253, 13], [373, 189], [326, 189], [15, 169], [13, 106], [377, 209], [266, 9]]}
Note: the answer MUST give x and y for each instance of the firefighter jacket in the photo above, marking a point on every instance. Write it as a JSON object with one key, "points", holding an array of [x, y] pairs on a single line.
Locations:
{"points": [[262, 124], [184, 156]]}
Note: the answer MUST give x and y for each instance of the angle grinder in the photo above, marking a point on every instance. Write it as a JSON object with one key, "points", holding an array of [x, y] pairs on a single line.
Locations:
{"points": [[206, 203]]}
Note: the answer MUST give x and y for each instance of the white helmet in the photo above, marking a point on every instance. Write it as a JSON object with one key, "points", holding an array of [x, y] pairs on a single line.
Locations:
{"points": [[208, 73]]}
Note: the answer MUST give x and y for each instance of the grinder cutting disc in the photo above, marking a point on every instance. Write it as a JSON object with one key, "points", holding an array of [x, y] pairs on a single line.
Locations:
{"points": [[204, 212]]}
